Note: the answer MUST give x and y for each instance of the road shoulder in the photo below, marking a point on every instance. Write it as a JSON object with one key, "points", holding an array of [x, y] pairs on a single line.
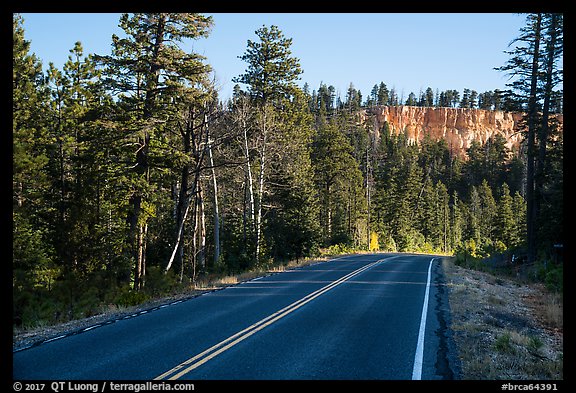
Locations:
{"points": [[504, 329]]}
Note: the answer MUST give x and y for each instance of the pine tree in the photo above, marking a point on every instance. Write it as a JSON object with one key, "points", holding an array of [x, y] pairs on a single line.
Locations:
{"points": [[552, 53], [373, 99], [32, 253], [504, 220], [496, 160], [455, 97], [339, 182], [524, 66], [270, 76], [443, 216], [475, 167], [473, 97], [383, 94], [519, 212], [485, 100], [465, 102], [293, 230], [392, 97], [487, 212], [429, 97], [272, 71], [145, 69], [427, 207], [353, 99], [497, 99], [474, 213], [456, 223], [325, 98], [411, 101], [74, 165]]}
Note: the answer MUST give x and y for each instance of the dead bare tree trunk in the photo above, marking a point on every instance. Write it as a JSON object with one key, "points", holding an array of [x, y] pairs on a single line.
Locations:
{"points": [[215, 207], [261, 187], [194, 146], [248, 164], [264, 138], [242, 114], [201, 230]]}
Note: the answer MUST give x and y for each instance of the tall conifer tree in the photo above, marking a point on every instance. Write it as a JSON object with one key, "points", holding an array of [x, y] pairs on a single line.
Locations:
{"points": [[271, 78], [146, 68]]}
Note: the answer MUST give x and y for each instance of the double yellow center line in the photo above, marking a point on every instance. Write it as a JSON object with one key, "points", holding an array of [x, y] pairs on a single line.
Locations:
{"points": [[198, 360]]}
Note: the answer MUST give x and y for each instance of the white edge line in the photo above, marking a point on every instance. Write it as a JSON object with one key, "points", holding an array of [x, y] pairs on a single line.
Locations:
{"points": [[419, 356], [55, 338], [23, 348], [90, 328]]}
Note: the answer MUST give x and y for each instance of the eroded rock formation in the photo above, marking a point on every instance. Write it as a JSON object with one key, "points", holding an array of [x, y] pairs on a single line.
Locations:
{"points": [[458, 126]]}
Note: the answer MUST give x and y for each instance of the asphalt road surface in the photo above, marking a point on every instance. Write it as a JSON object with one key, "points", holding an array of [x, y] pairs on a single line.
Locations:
{"points": [[359, 317]]}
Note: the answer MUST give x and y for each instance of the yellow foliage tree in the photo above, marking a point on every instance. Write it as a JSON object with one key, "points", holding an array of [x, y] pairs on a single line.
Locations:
{"points": [[374, 246]]}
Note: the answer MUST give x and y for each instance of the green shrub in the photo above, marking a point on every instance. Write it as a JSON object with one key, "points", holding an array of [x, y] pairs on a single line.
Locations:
{"points": [[502, 343], [338, 249], [87, 304], [129, 298], [159, 283], [554, 278], [534, 344]]}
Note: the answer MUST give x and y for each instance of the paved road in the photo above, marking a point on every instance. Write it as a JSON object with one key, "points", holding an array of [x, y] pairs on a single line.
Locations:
{"points": [[360, 317]]}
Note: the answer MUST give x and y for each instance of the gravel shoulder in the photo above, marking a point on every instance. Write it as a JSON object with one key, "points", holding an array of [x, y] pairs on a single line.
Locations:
{"points": [[504, 329]]}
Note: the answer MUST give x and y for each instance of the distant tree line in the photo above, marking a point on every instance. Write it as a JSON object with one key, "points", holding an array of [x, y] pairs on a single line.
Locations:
{"points": [[329, 99], [131, 178]]}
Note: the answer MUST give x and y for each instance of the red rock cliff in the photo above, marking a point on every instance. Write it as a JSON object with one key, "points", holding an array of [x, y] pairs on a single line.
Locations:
{"points": [[458, 126]]}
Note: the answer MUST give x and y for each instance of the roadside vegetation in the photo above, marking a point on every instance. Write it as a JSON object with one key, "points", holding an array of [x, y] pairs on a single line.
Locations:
{"points": [[506, 326]]}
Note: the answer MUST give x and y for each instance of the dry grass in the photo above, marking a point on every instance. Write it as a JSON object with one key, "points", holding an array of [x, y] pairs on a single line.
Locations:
{"points": [[503, 329], [219, 282], [549, 309]]}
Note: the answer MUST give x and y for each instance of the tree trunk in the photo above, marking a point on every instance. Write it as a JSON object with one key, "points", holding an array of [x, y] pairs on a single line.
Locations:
{"points": [[216, 210], [182, 207], [544, 129], [195, 241], [179, 233], [249, 174], [184, 196], [195, 145], [328, 230], [261, 183], [142, 164], [201, 230], [368, 194], [532, 114]]}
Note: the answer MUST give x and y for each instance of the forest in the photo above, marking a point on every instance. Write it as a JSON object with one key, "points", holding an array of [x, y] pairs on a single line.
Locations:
{"points": [[131, 178]]}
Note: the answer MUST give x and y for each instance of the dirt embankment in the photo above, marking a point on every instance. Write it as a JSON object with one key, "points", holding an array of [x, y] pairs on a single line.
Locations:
{"points": [[504, 329]]}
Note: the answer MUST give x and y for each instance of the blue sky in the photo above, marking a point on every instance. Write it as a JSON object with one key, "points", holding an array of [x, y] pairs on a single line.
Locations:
{"points": [[409, 52]]}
